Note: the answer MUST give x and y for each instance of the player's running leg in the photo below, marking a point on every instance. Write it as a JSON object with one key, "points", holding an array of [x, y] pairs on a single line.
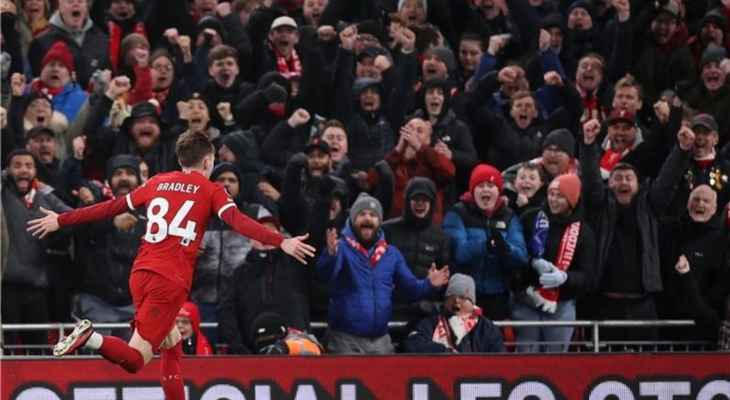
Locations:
{"points": [[132, 357], [170, 354]]}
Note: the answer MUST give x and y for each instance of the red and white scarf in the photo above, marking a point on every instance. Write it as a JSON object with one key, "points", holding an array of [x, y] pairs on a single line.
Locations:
{"points": [[566, 251], [380, 248], [450, 332], [288, 68], [30, 196]]}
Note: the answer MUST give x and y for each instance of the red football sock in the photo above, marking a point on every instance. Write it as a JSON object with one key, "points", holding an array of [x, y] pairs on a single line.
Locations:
{"points": [[172, 382], [118, 352]]}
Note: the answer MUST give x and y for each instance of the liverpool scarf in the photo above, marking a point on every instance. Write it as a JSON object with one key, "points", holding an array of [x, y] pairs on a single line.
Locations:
{"points": [[566, 251], [380, 247]]}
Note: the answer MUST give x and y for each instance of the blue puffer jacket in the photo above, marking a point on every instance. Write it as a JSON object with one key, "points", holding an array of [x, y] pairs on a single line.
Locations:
{"points": [[360, 295], [70, 100], [470, 230]]}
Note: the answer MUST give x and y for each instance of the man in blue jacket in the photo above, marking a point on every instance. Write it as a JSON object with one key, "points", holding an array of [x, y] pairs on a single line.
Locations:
{"points": [[362, 271]]}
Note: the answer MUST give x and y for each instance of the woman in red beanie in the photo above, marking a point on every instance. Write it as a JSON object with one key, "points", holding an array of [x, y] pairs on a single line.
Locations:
{"points": [[487, 240], [561, 248]]}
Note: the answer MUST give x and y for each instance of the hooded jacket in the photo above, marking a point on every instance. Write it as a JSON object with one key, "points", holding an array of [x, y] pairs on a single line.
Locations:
{"points": [[88, 46], [650, 202], [222, 249], [370, 135], [197, 344], [361, 293], [267, 281], [470, 231], [420, 240]]}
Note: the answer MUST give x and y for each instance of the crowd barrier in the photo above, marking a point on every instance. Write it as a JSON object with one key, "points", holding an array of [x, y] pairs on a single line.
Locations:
{"points": [[467, 377], [587, 339]]}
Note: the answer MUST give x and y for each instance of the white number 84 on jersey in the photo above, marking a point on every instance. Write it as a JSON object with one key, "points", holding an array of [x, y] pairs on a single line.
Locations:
{"points": [[157, 227]]}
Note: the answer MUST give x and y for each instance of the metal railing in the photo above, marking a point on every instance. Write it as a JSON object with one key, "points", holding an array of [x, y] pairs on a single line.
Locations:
{"points": [[590, 328]]}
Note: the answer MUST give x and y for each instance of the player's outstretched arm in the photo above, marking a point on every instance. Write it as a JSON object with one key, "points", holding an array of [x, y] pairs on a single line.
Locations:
{"points": [[52, 221], [248, 227], [296, 248], [41, 227]]}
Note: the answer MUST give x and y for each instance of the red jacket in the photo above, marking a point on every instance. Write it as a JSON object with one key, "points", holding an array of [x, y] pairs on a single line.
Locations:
{"points": [[427, 163], [202, 346]]}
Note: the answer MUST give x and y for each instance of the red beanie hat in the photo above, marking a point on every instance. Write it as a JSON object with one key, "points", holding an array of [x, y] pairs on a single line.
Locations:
{"points": [[569, 186], [485, 173], [61, 53]]}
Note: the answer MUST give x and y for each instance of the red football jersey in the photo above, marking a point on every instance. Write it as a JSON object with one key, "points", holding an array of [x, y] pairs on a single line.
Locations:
{"points": [[178, 205]]}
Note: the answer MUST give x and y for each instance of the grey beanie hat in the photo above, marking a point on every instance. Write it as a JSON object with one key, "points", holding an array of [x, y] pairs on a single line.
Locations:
{"points": [[462, 285], [366, 202]]}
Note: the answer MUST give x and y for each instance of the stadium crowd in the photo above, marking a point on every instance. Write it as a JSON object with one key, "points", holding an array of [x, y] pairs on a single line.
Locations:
{"points": [[455, 162]]}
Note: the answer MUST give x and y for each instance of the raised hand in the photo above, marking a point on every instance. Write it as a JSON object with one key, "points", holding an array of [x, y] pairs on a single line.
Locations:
{"points": [[326, 33], [544, 40], [591, 129], [118, 86], [299, 118], [224, 110], [623, 9], [686, 138], [438, 277], [682, 265], [347, 37], [296, 248], [553, 78], [41, 227], [661, 110], [17, 84]]}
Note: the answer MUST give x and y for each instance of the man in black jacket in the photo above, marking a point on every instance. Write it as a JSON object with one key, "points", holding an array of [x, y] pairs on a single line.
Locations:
{"points": [[106, 251], [267, 281], [694, 267], [625, 218], [422, 243]]}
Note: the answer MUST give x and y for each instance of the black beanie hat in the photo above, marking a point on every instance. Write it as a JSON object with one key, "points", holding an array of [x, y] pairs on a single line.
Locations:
{"points": [[219, 169], [123, 161], [562, 139]]}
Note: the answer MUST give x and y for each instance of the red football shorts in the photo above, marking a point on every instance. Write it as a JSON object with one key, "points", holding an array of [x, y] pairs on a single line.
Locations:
{"points": [[157, 301]]}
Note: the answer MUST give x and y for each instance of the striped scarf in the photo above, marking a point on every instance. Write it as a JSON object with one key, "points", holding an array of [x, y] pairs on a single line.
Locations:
{"points": [[566, 251], [291, 68], [380, 247]]}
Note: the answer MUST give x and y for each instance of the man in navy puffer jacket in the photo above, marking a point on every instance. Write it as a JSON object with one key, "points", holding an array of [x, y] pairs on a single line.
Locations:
{"points": [[362, 271]]}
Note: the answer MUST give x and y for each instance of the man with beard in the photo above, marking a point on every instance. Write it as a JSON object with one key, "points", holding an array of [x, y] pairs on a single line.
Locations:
{"points": [[26, 279], [106, 250], [694, 267], [459, 328], [625, 217], [362, 270], [627, 143], [707, 166], [712, 95], [141, 133], [660, 59], [308, 190], [42, 144], [422, 243], [87, 43], [713, 30]]}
